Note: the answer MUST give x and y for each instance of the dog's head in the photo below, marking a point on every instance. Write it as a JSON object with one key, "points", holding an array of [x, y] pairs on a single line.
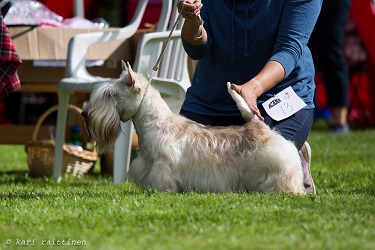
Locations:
{"points": [[112, 102]]}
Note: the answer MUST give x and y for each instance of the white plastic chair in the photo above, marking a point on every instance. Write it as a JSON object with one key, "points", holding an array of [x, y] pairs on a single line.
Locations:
{"points": [[78, 79], [172, 78]]}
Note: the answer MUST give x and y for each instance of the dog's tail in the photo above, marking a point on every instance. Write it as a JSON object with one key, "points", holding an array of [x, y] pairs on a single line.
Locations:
{"points": [[247, 114]]}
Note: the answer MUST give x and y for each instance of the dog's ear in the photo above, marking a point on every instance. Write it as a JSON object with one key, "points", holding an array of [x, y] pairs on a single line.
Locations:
{"points": [[123, 66], [130, 77], [125, 70], [132, 74], [126, 75]]}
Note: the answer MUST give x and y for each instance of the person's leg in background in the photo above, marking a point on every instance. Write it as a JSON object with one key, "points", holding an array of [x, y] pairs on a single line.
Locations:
{"points": [[328, 42]]}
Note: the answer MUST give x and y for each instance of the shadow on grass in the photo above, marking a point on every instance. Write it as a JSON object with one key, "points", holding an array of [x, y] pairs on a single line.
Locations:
{"points": [[17, 184], [14, 177], [22, 177]]}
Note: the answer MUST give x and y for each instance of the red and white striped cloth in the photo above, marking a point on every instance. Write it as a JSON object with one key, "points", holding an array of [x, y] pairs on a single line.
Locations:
{"points": [[9, 62]]}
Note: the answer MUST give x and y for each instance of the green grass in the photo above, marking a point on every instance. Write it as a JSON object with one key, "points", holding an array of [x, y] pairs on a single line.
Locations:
{"points": [[107, 216]]}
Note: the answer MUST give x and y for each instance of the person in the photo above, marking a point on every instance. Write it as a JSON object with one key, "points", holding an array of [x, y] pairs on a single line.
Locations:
{"points": [[260, 46], [327, 46], [9, 62]]}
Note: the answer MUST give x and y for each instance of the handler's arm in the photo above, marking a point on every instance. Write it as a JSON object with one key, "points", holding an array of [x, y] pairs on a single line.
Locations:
{"points": [[193, 23], [296, 25]]}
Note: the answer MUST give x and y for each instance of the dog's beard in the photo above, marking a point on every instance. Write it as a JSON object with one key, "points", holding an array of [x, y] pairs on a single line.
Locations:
{"points": [[103, 119]]}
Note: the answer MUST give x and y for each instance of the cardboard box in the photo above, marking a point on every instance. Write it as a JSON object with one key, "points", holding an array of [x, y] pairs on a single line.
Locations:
{"points": [[29, 73], [51, 43]]}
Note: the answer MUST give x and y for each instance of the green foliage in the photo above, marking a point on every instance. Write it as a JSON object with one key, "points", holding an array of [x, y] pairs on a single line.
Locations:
{"points": [[107, 216]]}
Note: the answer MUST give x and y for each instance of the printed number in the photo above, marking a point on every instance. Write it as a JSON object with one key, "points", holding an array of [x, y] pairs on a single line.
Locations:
{"points": [[289, 108]]}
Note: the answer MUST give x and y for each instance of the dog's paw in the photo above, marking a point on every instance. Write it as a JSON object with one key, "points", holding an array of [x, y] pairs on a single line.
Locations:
{"points": [[247, 114]]}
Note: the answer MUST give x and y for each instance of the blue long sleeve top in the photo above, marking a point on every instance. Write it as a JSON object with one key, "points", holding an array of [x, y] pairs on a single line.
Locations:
{"points": [[242, 35]]}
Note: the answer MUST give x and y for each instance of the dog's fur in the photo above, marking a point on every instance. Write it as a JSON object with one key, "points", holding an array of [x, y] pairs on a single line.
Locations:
{"points": [[177, 154]]}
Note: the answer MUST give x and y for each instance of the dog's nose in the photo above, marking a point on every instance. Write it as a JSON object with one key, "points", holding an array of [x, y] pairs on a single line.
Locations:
{"points": [[84, 114]]}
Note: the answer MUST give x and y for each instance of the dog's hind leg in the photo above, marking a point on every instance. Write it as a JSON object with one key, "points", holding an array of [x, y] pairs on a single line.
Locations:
{"points": [[241, 104]]}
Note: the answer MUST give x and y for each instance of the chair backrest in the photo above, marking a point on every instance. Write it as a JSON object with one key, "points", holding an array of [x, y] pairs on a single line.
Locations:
{"points": [[172, 76], [79, 44]]}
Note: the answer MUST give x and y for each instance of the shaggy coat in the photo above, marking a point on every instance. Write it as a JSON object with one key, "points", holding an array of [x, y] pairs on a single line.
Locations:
{"points": [[178, 155]]}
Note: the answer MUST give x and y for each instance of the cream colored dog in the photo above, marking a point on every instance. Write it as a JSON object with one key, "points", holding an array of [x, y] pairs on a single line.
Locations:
{"points": [[178, 155]]}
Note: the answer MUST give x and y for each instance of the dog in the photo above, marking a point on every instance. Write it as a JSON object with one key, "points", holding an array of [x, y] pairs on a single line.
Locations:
{"points": [[180, 155]]}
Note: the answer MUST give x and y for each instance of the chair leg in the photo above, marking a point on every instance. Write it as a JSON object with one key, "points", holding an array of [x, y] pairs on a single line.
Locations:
{"points": [[122, 152], [60, 133]]}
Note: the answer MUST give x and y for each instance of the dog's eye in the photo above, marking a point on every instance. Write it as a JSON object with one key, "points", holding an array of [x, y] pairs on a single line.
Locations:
{"points": [[84, 114]]}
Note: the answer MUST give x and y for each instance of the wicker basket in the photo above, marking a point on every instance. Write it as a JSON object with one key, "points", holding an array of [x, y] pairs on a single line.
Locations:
{"points": [[40, 153]]}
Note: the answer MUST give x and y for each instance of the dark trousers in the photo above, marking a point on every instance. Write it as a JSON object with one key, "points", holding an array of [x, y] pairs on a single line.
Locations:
{"points": [[327, 46]]}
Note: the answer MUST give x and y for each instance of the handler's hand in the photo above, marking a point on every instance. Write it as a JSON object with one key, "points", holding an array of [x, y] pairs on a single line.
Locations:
{"points": [[190, 8], [250, 97]]}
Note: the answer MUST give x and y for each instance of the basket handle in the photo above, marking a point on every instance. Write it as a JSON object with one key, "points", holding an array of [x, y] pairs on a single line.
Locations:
{"points": [[47, 113]]}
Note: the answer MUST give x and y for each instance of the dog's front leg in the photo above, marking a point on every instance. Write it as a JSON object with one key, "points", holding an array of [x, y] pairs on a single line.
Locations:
{"points": [[139, 171], [162, 179]]}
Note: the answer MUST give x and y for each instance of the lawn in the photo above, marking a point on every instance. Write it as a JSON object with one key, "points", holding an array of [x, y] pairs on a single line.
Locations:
{"points": [[92, 213]]}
